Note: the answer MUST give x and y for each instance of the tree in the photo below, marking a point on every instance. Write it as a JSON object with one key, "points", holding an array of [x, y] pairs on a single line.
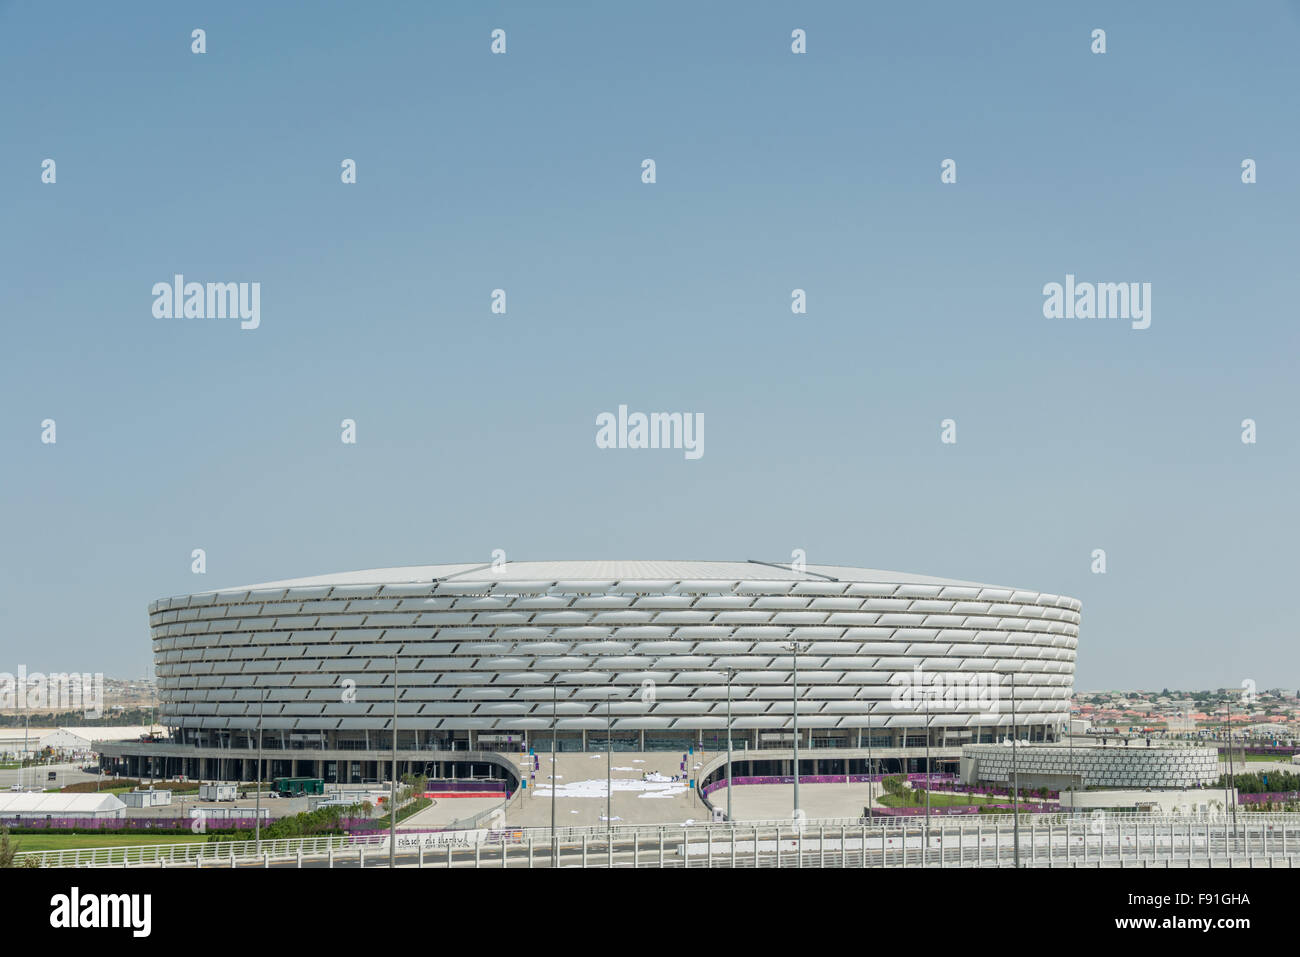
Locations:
{"points": [[413, 787], [7, 849], [894, 784]]}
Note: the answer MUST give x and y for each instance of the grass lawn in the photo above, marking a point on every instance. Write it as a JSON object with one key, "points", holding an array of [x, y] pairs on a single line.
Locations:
{"points": [[917, 799], [1237, 757], [58, 842]]}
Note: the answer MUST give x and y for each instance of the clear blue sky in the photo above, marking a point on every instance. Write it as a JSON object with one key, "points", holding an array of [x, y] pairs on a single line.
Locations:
{"points": [[775, 171]]}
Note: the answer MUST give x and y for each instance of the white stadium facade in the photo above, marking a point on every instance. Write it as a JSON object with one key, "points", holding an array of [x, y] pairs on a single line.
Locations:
{"points": [[493, 659]]}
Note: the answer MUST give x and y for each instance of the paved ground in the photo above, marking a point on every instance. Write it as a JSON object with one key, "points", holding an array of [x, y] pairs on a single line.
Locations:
{"points": [[1257, 767], [182, 804], [775, 802], [39, 776], [580, 799], [446, 810]]}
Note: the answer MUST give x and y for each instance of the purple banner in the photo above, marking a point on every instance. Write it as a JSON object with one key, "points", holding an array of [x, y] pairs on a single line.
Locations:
{"points": [[944, 782], [1277, 797], [968, 809]]}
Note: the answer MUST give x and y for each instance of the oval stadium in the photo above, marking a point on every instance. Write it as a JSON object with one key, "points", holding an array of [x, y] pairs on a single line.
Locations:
{"points": [[487, 661]]}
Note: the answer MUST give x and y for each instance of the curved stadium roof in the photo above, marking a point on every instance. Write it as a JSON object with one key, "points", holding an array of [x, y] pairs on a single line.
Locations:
{"points": [[611, 571]]}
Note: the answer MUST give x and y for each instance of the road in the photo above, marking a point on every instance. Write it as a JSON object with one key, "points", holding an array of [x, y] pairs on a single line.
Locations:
{"points": [[38, 776]]}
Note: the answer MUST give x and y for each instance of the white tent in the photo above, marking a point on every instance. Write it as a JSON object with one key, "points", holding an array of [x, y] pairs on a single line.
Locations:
{"points": [[32, 804]]}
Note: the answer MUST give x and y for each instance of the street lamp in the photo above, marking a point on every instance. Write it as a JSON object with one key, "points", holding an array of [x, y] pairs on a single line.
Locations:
{"points": [[27, 727], [1232, 774], [925, 857], [1015, 777], [555, 704], [731, 673], [871, 784], [257, 809], [797, 647], [609, 762], [1069, 740], [392, 787]]}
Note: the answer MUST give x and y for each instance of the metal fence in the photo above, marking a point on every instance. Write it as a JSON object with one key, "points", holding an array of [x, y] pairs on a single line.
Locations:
{"points": [[1060, 840]]}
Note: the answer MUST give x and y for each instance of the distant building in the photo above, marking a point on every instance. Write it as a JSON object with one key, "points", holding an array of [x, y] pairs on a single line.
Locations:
{"points": [[1113, 767], [82, 738]]}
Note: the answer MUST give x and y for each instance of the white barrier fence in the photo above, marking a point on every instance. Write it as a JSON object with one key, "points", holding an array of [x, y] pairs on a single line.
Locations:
{"points": [[1054, 840]]}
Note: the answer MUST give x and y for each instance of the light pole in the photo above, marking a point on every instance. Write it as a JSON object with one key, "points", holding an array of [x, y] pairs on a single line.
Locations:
{"points": [[257, 809], [731, 673], [153, 719], [392, 787], [609, 765], [871, 785], [1232, 775], [796, 647], [555, 704], [925, 857], [1015, 778], [1227, 781], [1069, 737]]}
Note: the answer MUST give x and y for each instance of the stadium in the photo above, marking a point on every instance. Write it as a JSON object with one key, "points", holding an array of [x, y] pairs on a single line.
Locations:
{"points": [[481, 662]]}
